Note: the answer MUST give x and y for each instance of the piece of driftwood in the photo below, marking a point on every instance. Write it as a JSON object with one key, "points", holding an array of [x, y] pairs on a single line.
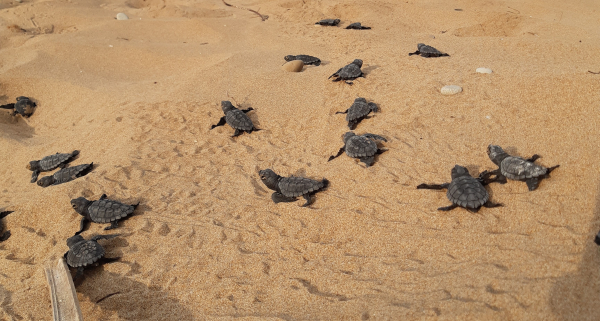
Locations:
{"points": [[262, 16], [65, 306]]}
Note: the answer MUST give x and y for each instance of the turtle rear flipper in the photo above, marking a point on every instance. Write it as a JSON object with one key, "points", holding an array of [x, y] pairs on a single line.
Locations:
{"points": [[308, 199], [278, 197], [369, 160], [532, 183]]}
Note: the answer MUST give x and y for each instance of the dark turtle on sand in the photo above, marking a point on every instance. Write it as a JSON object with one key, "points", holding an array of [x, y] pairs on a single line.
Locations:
{"points": [[24, 106], [4, 236], [349, 72], [517, 168], [362, 147], [306, 59], [84, 253], [427, 51], [101, 211], [236, 118], [49, 163], [357, 26], [328, 22], [287, 189], [465, 190], [358, 111], [66, 175]]}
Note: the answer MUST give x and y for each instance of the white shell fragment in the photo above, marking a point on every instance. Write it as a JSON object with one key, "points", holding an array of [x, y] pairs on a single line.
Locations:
{"points": [[293, 66], [450, 90], [122, 16], [483, 70]]}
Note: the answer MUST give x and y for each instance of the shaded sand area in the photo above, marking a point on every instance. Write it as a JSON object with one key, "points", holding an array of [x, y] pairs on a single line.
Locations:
{"points": [[138, 97]]}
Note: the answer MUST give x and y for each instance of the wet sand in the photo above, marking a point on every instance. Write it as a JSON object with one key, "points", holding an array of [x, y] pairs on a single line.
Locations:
{"points": [[138, 97]]}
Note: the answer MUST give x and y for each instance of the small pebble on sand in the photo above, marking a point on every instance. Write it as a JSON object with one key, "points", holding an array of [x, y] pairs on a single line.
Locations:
{"points": [[293, 66], [450, 90], [122, 16], [483, 70]]}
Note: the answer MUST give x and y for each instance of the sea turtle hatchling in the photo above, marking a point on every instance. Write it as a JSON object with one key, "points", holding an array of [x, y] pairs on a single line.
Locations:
{"points": [[66, 175], [24, 106], [306, 59], [517, 168], [49, 163], [6, 234], [101, 211], [362, 147], [287, 189], [328, 22], [349, 72], [359, 110], [465, 190], [236, 118], [428, 51], [84, 253], [357, 26]]}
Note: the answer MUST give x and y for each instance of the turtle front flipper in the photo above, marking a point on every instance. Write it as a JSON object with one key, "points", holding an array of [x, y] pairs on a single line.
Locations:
{"points": [[34, 176], [247, 110], [448, 208], [81, 225], [534, 158], [352, 124], [102, 197], [220, 123], [278, 197], [533, 183], [105, 237], [369, 160], [344, 112], [373, 136], [415, 53], [489, 204], [308, 200], [433, 186], [340, 152], [8, 106], [113, 224], [5, 236]]}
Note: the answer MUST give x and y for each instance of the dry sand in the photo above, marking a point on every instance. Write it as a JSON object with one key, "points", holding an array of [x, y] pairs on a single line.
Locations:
{"points": [[138, 97]]}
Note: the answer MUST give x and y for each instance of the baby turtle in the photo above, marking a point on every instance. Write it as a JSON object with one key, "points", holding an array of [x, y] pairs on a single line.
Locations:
{"points": [[328, 22], [306, 59], [517, 168], [236, 118], [101, 211], [358, 111], [6, 234], [49, 163], [24, 106], [362, 147], [428, 51], [66, 175], [357, 26], [465, 190], [349, 72], [83, 253], [287, 189]]}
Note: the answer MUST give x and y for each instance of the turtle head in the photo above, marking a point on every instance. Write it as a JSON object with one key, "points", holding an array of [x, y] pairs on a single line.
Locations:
{"points": [[33, 166], [227, 106], [347, 136], [22, 98], [496, 154], [357, 62], [46, 181], [269, 178], [420, 45], [360, 99], [80, 204], [459, 171], [74, 240], [289, 57], [336, 21]]}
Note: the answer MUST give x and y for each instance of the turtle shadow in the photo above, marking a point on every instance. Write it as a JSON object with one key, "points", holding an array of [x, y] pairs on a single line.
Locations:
{"points": [[132, 300], [367, 70], [574, 296], [14, 127]]}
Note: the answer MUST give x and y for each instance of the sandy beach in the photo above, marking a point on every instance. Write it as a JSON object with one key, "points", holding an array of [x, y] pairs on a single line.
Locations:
{"points": [[138, 97]]}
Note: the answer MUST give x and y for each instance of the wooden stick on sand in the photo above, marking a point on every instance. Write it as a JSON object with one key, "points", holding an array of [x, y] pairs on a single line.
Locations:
{"points": [[262, 16], [65, 305]]}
